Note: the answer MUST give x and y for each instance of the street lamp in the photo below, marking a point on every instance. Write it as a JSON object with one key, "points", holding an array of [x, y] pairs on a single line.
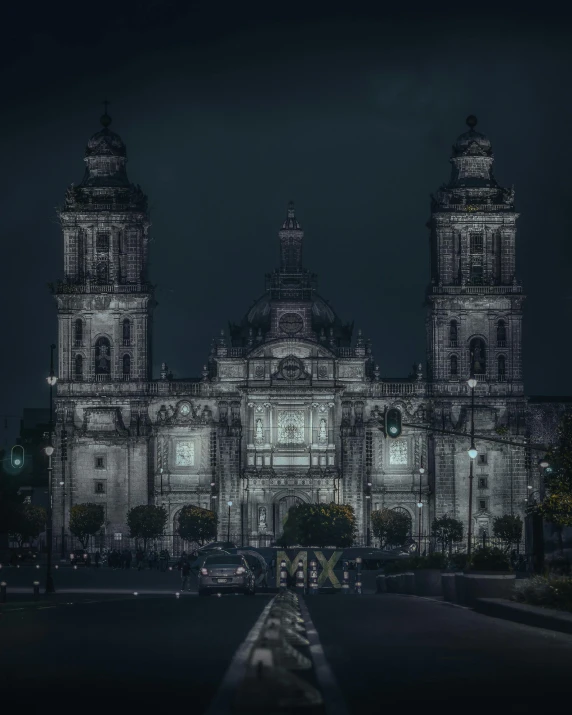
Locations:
{"points": [[52, 379], [472, 383], [228, 531], [420, 504]]}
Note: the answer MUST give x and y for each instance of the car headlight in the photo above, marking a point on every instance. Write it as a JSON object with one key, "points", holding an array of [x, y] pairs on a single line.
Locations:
{"points": [[204, 572], [240, 570]]}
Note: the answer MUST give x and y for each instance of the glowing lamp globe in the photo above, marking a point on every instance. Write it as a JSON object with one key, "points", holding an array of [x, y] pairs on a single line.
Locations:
{"points": [[420, 504], [230, 503], [472, 383], [473, 453], [543, 463], [52, 379], [49, 450]]}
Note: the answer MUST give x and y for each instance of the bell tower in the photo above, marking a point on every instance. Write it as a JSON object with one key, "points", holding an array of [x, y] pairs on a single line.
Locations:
{"points": [[474, 325], [105, 302]]}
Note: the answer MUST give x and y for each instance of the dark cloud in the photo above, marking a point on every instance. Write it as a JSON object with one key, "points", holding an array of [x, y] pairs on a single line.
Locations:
{"points": [[227, 117]]}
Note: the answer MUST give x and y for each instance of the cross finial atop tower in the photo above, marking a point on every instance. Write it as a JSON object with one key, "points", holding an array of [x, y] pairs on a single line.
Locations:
{"points": [[291, 209], [105, 118], [471, 121]]}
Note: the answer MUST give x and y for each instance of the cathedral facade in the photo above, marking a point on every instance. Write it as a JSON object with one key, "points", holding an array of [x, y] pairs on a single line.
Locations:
{"points": [[290, 404]]}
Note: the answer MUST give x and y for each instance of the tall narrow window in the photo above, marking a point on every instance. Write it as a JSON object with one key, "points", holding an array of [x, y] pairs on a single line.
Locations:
{"points": [[501, 334], [78, 367], [78, 332], [497, 255], [501, 368], [126, 366], [476, 243], [476, 271], [102, 358], [453, 333], [102, 272], [102, 242], [454, 366], [126, 332], [478, 356]]}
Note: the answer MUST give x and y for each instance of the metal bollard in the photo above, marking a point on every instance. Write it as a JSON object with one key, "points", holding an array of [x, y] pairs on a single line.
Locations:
{"points": [[3, 592], [313, 578], [283, 576], [358, 577], [36, 590], [346, 578], [300, 578]]}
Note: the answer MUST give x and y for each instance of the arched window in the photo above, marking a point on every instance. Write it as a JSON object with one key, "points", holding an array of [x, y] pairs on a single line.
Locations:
{"points": [[126, 366], [501, 368], [454, 366], [453, 333], [478, 356], [78, 332], [102, 357], [501, 334], [102, 272], [78, 368], [126, 332]]}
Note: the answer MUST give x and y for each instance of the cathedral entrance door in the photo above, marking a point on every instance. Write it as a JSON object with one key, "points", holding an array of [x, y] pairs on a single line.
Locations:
{"points": [[284, 506]]}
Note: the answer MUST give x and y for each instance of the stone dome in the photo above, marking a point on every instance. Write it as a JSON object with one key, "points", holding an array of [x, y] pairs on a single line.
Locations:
{"points": [[472, 141], [105, 143]]}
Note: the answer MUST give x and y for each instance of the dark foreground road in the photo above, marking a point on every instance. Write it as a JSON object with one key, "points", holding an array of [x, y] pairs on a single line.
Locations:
{"points": [[392, 652]]}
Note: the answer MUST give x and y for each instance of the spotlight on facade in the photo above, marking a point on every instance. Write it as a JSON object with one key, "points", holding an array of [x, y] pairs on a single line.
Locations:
{"points": [[473, 453], [52, 379]]}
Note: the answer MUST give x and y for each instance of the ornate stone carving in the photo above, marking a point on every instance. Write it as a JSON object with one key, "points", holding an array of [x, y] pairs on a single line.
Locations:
{"points": [[184, 454], [291, 427], [398, 452]]}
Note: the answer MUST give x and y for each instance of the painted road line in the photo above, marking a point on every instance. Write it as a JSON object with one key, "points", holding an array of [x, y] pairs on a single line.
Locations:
{"points": [[222, 701], [334, 702]]}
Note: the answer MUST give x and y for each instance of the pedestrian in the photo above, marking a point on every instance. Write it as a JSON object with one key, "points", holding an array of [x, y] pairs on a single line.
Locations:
{"points": [[185, 575], [128, 559], [162, 561], [97, 559]]}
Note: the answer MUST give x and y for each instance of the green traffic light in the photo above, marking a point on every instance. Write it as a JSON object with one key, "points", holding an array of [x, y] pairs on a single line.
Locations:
{"points": [[393, 423]]}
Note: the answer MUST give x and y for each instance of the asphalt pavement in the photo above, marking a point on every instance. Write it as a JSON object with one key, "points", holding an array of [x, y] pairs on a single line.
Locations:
{"points": [[116, 650]]}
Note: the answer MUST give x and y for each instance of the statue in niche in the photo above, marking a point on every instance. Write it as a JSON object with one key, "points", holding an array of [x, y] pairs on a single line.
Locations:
{"points": [[322, 432], [259, 432], [262, 518]]}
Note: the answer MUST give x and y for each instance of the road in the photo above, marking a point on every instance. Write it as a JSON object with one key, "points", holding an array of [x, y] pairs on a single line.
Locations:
{"points": [[409, 654]]}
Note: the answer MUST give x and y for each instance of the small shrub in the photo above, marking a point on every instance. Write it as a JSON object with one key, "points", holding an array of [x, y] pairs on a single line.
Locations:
{"points": [[559, 566], [553, 592], [457, 562], [397, 566], [435, 560], [489, 558]]}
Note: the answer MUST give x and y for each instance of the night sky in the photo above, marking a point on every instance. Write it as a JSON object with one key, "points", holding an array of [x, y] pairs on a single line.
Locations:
{"points": [[228, 116]]}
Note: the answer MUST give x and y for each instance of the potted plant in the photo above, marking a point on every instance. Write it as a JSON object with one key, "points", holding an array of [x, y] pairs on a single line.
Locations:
{"points": [[406, 578], [427, 574], [488, 575], [392, 571]]}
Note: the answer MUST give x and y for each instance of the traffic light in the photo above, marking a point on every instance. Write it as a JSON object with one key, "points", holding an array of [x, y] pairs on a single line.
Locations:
{"points": [[17, 457], [393, 423], [64, 445]]}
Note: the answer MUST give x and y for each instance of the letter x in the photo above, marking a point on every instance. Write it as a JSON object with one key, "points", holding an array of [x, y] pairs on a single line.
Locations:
{"points": [[328, 568]]}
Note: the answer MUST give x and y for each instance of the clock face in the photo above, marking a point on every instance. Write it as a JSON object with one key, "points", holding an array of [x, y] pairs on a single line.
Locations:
{"points": [[291, 323], [185, 409]]}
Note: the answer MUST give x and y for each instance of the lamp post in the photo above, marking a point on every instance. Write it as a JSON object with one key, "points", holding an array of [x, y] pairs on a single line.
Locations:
{"points": [[228, 530], [420, 505], [52, 379], [472, 383]]}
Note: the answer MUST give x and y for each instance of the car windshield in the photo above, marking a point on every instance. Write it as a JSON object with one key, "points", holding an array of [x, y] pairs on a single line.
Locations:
{"points": [[213, 560]]}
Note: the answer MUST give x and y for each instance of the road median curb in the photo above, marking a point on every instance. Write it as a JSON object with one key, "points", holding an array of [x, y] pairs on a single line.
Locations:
{"points": [[537, 616]]}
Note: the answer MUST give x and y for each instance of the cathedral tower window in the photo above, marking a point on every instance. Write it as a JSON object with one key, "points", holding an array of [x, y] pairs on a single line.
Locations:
{"points": [[454, 366], [126, 332], [102, 243], [501, 334], [102, 272], [501, 368], [102, 358], [78, 367], [78, 333], [478, 356], [453, 333], [476, 243], [126, 367]]}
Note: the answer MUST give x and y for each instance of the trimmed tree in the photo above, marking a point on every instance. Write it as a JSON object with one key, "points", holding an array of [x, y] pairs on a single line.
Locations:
{"points": [[390, 527], [197, 525], [146, 521], [447, 531], [508, 528], [86, 520], [29, 522], [321, 525], [556, 507]]}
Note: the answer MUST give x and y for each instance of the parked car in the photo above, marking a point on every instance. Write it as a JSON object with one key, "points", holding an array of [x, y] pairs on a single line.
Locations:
{"points": [[80, 557], [224, 545], [224, 573]]}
